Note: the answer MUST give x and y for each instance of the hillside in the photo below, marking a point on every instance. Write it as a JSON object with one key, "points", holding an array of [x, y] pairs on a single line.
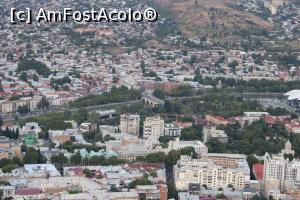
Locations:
{"points": [[212, 18]]}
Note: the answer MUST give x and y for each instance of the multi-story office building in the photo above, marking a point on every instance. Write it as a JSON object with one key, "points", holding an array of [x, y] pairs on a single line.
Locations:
{"points": [[153, 127], [208, 173], [130, 124]]}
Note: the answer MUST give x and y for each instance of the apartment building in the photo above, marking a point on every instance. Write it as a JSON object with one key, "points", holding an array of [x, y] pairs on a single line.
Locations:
{"points": [[153, 127], [280, 173], [211, 132], [130, 124], [225, 159], [9, 107], [7, 191], [199, 147], [172, 130], [129, 147], [274, 171], [148, 191], [254, 116], [9, 148], [206, 172]]}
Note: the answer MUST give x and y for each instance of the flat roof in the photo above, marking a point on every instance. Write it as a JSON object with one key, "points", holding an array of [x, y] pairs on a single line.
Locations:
{"points": [[293, 95]]}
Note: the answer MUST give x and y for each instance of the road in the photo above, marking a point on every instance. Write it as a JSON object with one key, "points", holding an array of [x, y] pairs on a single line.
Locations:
{"points": [[97, 107], [258, 94]]}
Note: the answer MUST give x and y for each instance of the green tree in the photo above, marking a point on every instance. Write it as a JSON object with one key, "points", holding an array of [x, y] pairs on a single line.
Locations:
{"points": [[142, 181], [87, 172], [198, 77], [94, 117], [150, 74], [76, 159], [98, 137], [23, 109], [16, 135], [8, 168], [59, 160], [159, 93], [121, 94], [271, 197], [221, 196], [251, 159], [233, 64], [194, 59], [33, 156], [191, 133], [182, 90], [43, 104], [116, 79], [35, 77], [27, 63], [172, 192], [81, 115], [24, 77], [289, 156]]}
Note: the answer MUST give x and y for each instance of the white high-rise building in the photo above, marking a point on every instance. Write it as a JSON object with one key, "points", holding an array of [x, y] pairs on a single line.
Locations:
{"points": [[279, 172], [153, 127], [130, 124], [274, 171]]}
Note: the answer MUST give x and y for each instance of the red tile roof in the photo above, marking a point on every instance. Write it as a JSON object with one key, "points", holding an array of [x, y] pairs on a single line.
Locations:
{"points": [[258, 170], [270, 119], [28, 191]]}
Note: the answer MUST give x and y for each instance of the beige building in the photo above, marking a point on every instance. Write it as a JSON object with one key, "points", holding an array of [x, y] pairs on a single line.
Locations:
{"points": [[287, 149], [280, 173], [273, 5], [274, 171], [130, 147], [211, 132], [9, 148], [206, 172], [9, 107], [153, 127], [225, 159], [199, 147], [130, 124]]}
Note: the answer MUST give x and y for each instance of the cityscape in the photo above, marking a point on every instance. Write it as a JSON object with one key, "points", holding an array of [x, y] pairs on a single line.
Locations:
{"points": [[202, 103]]}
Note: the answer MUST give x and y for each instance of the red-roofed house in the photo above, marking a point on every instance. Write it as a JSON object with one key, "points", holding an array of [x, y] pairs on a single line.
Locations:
{"points": [[29, 193], [270, 120], [293, 126], [216, 120], [184, 124]]}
